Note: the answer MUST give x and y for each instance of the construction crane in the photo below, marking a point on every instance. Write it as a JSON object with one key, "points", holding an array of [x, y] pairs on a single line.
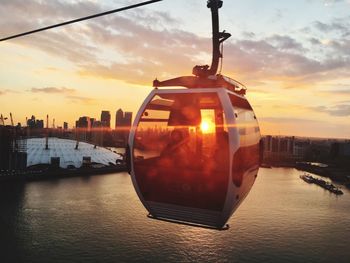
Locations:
{"points": [[12, 123], [2, 121], [47, 133], [14, 132]]}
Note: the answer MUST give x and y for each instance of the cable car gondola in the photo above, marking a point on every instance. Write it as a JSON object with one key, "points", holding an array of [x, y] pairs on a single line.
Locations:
{"points": [[194, 153]]}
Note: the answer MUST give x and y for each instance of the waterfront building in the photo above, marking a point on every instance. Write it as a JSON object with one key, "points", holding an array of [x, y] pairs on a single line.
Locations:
{"points": [[299, 149], [127, 119], [123, 120], [97, 133], [33, 123], [122, 125], [106, 119], [344, 149], [267, 143], [340, 153], [83, 123], [5, 146], [282, 148], [13, 148], [119, 118], [82, 128]]}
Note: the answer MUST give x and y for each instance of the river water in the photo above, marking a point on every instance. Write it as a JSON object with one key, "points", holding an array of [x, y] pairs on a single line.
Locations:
{"points": [[100, 219]]}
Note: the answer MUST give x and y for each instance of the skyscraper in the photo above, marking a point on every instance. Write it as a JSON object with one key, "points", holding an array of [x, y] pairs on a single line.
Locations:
{"points": [[83, 128], [127, 119], [83, 123], [123, 120], [119, 118], [33, 123], [123, 125], [106, 119]]}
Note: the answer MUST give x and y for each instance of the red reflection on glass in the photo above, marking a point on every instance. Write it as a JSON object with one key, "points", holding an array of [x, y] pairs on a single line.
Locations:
{"points": [[179, 159]]}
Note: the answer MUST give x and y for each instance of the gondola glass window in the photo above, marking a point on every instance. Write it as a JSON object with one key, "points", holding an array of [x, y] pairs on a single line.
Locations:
{"points": [[181, 151], [246, 158]]}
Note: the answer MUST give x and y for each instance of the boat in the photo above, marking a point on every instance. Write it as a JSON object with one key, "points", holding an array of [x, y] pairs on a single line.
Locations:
{"points": [[307, 178], [322, 183]]}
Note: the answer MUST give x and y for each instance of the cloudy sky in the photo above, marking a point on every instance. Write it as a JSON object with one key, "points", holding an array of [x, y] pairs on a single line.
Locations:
{"points": [[294, 57]]}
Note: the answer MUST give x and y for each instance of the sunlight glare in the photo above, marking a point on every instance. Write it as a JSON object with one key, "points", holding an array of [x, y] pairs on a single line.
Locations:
{"points": [[207, 126]]}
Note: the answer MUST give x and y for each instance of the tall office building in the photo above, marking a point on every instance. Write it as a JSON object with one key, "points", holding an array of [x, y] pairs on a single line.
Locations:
{"points": [[97, 133], [123, 120], [33, 123], [106, 119], [83, 123], [123, 125], [128, 119], [119, 118], [83, 128]]}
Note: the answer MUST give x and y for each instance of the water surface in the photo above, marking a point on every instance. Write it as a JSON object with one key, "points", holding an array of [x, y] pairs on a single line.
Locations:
{"points": [[100, 218]]}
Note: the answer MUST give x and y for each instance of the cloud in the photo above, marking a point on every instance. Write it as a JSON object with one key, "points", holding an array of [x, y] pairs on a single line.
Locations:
{"points": [[75, 42], [289, 120], [340, 110], [338, 25], [68, 93], [7, 91], [82, 100], [136, 38], [262, 59], [286, 43], [315, 41], [331, 2], [338, 91], [248, 34], [53, 90], [142, 45], [274, 57], [63, 42], [340, 46]]}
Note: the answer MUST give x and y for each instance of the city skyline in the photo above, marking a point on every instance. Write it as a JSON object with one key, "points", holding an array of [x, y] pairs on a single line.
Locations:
{"points": [[36, 122], [296, 70]]}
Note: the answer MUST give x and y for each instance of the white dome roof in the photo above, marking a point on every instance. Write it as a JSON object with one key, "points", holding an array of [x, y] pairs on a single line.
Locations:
{"points": [[65, 150]]}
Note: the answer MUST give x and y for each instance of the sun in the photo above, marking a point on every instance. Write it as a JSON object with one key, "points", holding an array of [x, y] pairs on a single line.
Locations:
{"points": [[207, 126]]}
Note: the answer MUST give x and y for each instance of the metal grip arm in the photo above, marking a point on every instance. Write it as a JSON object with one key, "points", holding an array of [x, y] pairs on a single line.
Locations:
{"points": [[218, 38]]}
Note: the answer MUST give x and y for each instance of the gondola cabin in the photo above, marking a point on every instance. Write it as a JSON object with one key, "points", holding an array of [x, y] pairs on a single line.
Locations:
{"points": [[195, 152]]}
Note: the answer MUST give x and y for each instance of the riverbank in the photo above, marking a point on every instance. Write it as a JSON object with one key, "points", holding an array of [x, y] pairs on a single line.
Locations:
{"points": [[33, 175], [339, 175]]}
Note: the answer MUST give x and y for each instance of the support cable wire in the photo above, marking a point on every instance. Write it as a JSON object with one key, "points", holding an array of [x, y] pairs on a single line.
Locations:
{"points": [[80, 19]]}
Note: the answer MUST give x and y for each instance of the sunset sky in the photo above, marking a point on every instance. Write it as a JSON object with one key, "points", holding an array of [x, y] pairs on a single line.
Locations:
{"points": [[293, 56]]}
